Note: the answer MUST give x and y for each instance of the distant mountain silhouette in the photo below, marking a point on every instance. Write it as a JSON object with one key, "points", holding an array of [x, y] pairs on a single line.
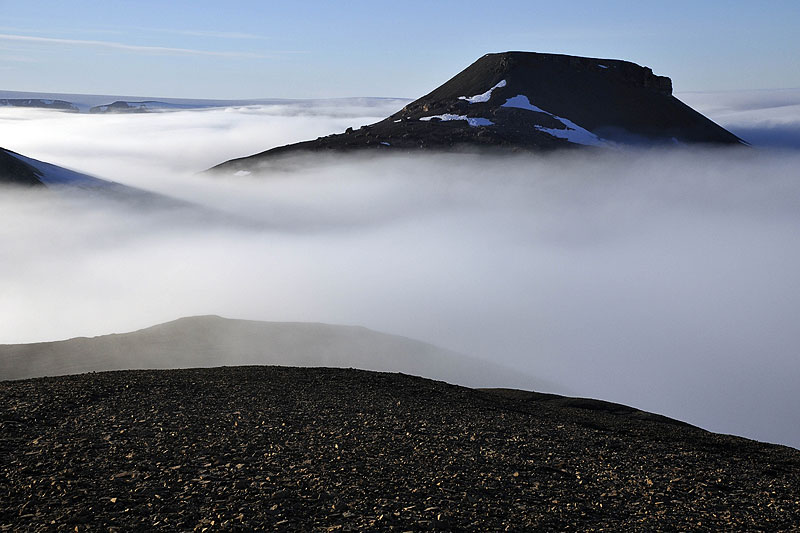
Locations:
{"points": [[204, 341], [43, 103], [528, 101], [146, 106]]}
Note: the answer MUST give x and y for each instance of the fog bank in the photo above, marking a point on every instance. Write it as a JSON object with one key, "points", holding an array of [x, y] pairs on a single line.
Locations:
{"points": [[768, 118], [666, 280]]}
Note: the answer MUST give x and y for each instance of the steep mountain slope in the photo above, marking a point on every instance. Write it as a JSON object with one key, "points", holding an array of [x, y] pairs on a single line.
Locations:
{"points": [[20, 167], [17, 169], [213, 341], [528, 101], [14, 170]]}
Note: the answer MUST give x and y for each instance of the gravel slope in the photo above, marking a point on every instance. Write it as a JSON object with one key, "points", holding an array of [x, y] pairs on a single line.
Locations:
{"points": [[320, 449]]}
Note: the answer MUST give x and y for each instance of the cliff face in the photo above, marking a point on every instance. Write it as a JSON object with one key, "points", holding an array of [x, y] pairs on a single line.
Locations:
{"points": [[526, 101]]}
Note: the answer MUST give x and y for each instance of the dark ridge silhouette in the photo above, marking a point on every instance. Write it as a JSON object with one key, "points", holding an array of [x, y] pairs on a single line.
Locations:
{"points": [[20, 170], [15, 171]]}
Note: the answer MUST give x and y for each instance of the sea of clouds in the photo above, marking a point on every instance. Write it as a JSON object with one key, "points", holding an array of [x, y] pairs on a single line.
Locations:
{"points": [[663, 279]]}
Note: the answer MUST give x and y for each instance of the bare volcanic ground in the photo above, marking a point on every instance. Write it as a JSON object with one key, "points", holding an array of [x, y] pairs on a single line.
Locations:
{"points": [[320, 449]]}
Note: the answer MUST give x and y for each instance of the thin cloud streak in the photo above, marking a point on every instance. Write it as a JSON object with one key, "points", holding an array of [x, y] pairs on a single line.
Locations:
{"points": [[20, 59], [163, 50], [208, 33], [18, 31]]}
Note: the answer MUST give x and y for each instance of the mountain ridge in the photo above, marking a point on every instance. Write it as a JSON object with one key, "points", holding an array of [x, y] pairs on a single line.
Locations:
{"points": [[210, 340]]}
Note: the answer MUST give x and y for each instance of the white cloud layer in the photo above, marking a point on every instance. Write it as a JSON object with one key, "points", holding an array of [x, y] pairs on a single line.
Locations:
{"points": [[666, 280], [763, 118]]}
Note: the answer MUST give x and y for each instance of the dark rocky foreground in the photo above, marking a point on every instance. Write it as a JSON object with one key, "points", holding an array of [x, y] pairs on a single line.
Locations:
{"points": [[295, 449]]}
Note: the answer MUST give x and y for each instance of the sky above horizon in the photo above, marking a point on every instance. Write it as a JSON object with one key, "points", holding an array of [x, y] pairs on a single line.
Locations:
{"points": [[252, 49]]}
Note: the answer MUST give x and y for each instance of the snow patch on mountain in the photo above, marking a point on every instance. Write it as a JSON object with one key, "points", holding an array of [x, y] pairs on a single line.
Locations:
{"points": [[472, 121], [521, 102], [483, 97], [574, 133], [571, 132]]}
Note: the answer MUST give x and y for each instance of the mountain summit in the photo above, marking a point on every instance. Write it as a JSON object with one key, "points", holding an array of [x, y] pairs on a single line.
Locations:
{"points": [[530, 101]]}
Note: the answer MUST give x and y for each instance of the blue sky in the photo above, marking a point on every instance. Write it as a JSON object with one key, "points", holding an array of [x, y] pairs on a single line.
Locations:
{"points": [[251, 49]]}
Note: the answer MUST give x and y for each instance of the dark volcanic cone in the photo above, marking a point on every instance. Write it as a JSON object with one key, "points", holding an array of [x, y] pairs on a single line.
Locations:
{"points": [[528, 101], [288, 449]]}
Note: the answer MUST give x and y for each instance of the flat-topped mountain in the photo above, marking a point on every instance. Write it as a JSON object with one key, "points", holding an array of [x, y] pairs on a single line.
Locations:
{"points": [[529, 101], [42, 103], [146, 106]]}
